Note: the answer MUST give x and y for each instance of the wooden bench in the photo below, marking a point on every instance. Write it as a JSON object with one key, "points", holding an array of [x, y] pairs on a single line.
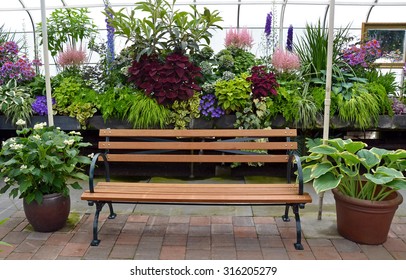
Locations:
{"points": [[198, 147]]}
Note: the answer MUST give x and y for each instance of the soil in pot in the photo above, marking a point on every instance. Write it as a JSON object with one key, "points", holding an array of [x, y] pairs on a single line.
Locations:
{"points": [[364, 221], [50, 215]]}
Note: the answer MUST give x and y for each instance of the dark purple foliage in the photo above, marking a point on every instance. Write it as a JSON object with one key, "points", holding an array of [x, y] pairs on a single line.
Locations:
{"points": [[263, 83], [175, 79]]}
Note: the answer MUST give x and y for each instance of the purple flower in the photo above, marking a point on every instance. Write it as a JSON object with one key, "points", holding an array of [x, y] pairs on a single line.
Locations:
{"points": [[289, 40], [364, 55], [39, 106], [110, 33], [13, 66], [404, 69], [268, 24], [209, 108]]}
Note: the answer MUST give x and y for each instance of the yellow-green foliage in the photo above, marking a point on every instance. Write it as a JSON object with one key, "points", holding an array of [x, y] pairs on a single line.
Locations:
{"points": [[182, 112]]}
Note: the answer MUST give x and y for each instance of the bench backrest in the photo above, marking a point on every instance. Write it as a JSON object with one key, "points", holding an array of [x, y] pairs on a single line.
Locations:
{"points": [[198, 145]]}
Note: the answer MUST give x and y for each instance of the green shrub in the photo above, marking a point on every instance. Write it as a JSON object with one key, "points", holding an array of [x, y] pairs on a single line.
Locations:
{"points": [[74, 99], [15, 101], [145, 112], [233, 95]]}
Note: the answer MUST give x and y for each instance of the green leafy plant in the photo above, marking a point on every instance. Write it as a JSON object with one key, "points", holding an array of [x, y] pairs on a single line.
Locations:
{"points": [[254, 116], [301, 105], [42, 160], [145, 112], [380, 93], [164, 29], [182, 112], [233, 95], [114, 102], [68, 26], [15, 101], [370, 174], [362, 109], [312, 49], [74, 99]]}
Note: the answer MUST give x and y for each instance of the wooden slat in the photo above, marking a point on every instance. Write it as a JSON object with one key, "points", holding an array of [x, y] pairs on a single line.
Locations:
{"points": [[195, 158], [170, 188], [198, 132], [196, 198], [192, 185], [216, 145]]}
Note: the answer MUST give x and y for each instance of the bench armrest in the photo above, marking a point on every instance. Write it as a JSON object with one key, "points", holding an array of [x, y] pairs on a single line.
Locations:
{"points": [[296, 157], [93, 167]]}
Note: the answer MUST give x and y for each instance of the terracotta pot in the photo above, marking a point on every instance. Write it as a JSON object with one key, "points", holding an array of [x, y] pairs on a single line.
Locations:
{"points": [[364, 221], [50, 215]]}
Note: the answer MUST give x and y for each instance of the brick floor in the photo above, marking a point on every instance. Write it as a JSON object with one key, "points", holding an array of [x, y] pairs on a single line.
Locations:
{"points": [[147, 237]]}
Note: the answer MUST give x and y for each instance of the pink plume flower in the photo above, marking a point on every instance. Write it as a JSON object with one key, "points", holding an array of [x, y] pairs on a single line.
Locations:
{"points": [[239, 38], [72, 57], [285, 61]]}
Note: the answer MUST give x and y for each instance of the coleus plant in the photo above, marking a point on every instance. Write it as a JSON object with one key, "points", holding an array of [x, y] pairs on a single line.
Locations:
{"points": [[263, 83], [173, 79]]}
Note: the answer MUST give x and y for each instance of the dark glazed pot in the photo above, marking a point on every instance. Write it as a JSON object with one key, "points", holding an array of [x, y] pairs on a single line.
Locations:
{"points": [[50, 215], [364, 221]]}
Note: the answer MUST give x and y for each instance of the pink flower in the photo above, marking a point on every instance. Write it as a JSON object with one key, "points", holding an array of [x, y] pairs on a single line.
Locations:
{"points": [[72, 57], [285, 61], [239, 38]]}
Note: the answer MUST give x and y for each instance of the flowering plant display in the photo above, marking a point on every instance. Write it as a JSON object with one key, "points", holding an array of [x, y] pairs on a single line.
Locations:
{"points": [[239, 38], [39, 106], [363, 55], [209, 107], [42, 160], [285, 61], [14, 66]]}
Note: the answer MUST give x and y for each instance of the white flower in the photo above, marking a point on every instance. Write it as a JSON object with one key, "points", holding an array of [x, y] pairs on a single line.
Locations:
{"points": [[6, 179], [23, 167], [3, 169], [58, 128], [21, 122], [36, 136], [91, 155], [40, 125], [69, 142], [14, 146], [74, 133]]}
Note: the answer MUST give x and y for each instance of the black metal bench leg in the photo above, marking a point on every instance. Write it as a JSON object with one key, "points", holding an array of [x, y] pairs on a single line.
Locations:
{"points": [[99, 207], [298, 244], [112, 214], [285, 217]]}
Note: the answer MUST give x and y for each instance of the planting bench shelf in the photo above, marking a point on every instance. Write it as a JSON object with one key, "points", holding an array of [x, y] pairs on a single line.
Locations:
{"points": [[198, 146]]}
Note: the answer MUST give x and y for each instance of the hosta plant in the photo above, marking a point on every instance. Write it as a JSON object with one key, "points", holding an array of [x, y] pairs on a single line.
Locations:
{"points": [[369, 174]]}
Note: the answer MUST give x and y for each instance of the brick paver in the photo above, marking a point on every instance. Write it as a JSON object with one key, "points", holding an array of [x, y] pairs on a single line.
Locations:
{"points": [[147, 237]]}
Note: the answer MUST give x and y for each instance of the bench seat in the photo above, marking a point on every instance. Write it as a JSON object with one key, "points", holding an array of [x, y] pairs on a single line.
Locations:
{"points": [[197, 193]]}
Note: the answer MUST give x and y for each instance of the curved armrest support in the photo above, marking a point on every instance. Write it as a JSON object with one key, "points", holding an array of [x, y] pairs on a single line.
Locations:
{"points": [[93, 166], [294, 155]]}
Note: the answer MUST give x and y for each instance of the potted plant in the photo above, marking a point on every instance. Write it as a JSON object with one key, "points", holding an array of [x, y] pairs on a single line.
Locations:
{"points": [[365, 184], [39, 166]]}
